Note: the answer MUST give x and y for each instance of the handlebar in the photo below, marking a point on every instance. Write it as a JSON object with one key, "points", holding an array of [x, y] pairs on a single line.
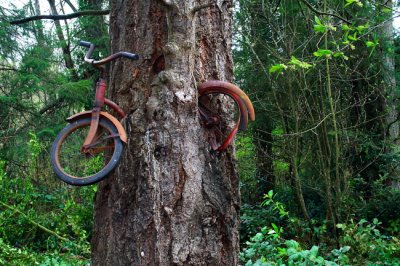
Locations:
{"points": [[91, 47]]}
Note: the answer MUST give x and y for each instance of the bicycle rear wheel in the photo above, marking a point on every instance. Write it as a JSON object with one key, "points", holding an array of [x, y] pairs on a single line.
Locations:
{"points": [[79, 168]]}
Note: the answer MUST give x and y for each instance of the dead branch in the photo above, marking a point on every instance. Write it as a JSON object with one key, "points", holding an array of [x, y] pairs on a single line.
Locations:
{"points": [[62, 17], [324, 13]]}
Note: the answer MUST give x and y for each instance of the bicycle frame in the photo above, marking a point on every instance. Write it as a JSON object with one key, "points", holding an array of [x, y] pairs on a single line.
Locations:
{"points": [[96, 113], [101, 100]]}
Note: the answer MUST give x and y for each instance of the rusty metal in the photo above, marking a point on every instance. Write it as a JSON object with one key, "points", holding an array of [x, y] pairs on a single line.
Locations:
{"points": [[211, 120], [112, 119], [94, 124], [218, 84], [115, 107], [98, 141], [101, 87]]}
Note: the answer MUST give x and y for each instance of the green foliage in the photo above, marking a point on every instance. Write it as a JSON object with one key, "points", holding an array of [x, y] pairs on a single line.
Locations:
{"points": [[269, 247], [351, 2], [269, 200], [322, 91], [10, 255], [43, 222], [361, 243], [368, 245], [40, 225], [322, 28]]}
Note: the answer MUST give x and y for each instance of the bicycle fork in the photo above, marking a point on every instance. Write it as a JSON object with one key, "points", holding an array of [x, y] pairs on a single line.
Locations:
{"points": [[94, 123]]}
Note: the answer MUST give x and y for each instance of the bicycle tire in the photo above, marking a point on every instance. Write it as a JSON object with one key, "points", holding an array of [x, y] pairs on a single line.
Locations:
{"points": [[242, 104], [61, 167]]}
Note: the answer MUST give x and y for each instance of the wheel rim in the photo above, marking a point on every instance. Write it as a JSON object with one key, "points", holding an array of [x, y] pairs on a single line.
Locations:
{"points": [[73, 162], [221, 116]]}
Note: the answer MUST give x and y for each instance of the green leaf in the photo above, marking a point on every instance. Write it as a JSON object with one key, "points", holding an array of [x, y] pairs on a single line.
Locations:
{"points": [[353, 37], [314, 251], [320, 28], [296, 62], [340, 54], [317, 20], [258, 237], [361, 28], [277, 132], [345, 249], [345, 27], [350, 2], [371, 44], [278, 68], [323, 52], [362, 221], [275, 227]]}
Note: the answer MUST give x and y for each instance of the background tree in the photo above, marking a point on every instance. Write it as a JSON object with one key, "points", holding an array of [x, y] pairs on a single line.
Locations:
{"points": [[327, 85]]}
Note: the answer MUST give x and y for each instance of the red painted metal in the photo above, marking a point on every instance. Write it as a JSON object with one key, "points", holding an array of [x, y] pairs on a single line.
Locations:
{"points": [[211, 120], [94, 124], [101, 87], [117, 124], [115, 107], [218, 84]]}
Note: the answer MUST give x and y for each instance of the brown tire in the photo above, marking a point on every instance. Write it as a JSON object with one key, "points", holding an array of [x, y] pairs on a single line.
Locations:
{"points": [[80, 169]]}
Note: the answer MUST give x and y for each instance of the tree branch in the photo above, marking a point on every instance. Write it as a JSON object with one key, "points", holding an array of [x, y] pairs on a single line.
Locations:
{"points": [[71, 6], [51, 105], [324, 13], [15, 209], [5, 68], [62, 17]]}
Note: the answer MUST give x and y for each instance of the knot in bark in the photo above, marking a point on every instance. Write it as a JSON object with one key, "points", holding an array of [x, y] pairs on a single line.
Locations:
{"points": [[171, 49]]}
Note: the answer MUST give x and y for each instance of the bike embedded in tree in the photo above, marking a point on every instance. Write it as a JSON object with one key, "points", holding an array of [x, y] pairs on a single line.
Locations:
{"points": [[91, 145]]}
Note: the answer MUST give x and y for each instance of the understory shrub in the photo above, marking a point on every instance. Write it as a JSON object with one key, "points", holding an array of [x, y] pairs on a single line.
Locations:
{"points": [[361, 243], [44, 222]]}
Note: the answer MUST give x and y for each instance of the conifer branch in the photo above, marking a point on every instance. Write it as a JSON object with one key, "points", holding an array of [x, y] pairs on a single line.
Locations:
{"points": [[62, 17]]}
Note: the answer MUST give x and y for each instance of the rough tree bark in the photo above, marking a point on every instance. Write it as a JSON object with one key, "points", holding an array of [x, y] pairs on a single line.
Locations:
{"points": [[171, 201]]}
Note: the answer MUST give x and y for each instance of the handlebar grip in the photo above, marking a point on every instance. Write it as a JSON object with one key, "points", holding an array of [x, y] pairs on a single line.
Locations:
{"points": [[130, 55], [84, 43]]}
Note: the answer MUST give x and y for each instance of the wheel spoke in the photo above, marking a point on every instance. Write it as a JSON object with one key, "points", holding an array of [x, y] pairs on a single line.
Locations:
{"points": [[76, 163]]}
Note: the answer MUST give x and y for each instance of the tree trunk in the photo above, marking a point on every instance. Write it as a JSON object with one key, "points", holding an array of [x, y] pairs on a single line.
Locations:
{"points": [[69, 64], [39, 25], [171, 201], [390, 78]]}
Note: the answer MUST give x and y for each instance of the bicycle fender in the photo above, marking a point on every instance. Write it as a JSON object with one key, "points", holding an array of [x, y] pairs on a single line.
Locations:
{"points": [[121, 131], [230, 89]]}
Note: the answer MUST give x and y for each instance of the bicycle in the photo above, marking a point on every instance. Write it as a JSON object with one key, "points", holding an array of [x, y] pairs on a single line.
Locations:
{"points": [[91, 145]]}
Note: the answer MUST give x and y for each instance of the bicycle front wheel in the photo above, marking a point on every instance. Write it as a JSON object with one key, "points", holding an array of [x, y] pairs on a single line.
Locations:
{"points": [[79, 168]]}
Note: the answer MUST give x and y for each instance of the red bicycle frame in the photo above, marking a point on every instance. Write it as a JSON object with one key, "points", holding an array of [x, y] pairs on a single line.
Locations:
{"points": [[101, 100]]}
